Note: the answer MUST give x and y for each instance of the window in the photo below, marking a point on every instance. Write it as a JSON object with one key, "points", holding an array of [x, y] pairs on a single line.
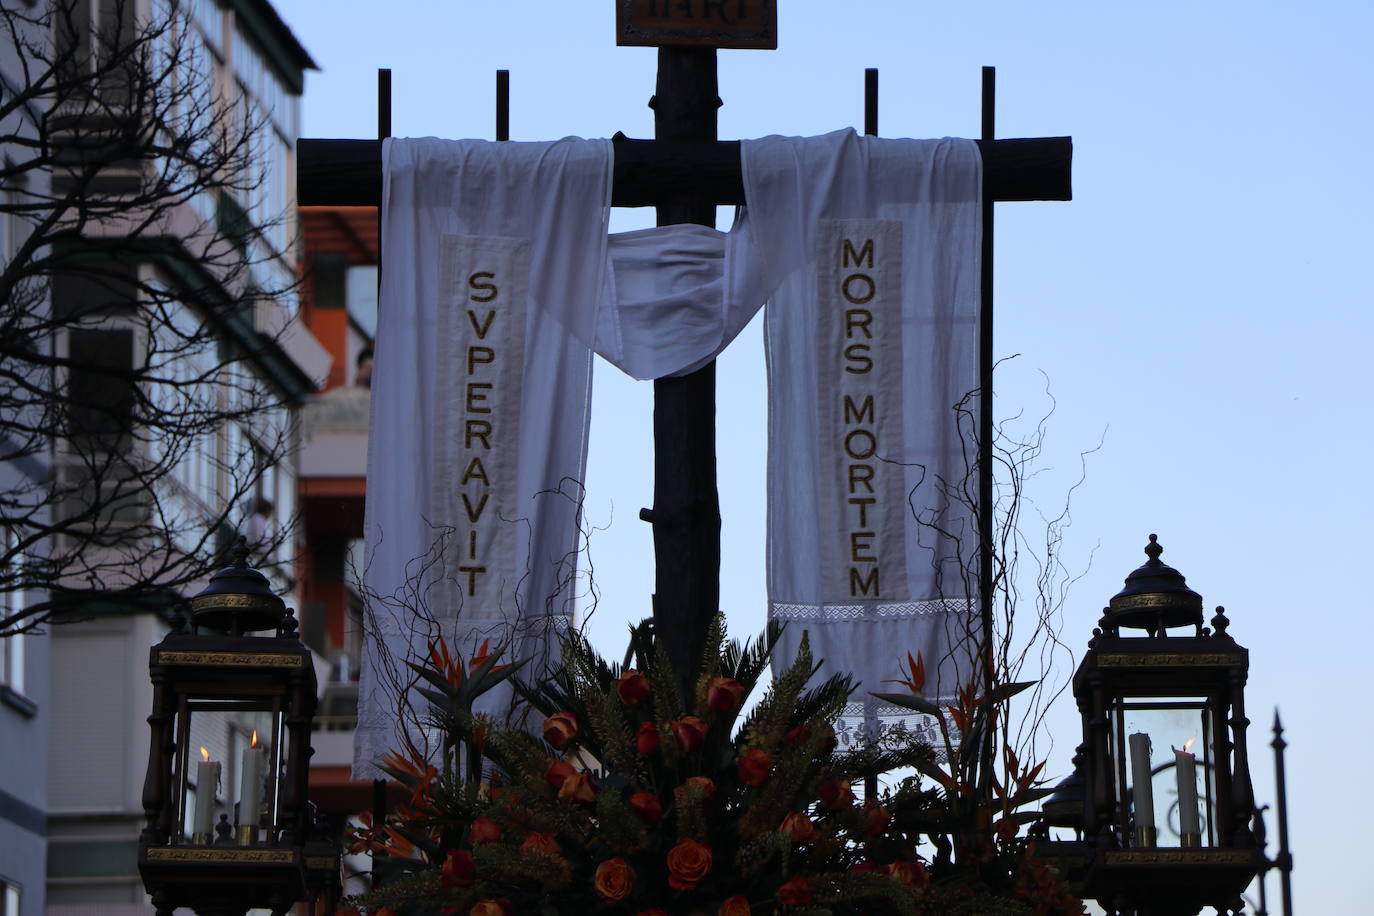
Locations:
{"points": [[15, 600], [9, 899]]}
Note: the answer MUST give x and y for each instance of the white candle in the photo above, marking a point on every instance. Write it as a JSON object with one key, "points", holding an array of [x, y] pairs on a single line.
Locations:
{"points": [[1140, 777], [207, 779], [250, 783], [1185, 766]]}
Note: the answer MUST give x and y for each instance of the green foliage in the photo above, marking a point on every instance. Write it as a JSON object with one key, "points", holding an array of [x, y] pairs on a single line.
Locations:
{"points": [[640, 798]]}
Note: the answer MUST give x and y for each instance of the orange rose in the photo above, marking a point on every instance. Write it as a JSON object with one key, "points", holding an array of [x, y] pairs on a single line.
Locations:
{"points": [[614, 880], [489, 907], [484, 830], [702, 784], [912, 874], [876, 819], [632, 687], [754, 767], [560, 728], [579, 788], [690, 734], [539, 843], [796, 891], [458, 869], [798, 828], [558, 772], [647, 807], [724, 694], [688, 863], [737, 905], [646, 739], [836, 794]]}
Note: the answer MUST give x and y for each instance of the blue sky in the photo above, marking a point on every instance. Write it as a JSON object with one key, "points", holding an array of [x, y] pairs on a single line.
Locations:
{"points": [[1202, 307]]}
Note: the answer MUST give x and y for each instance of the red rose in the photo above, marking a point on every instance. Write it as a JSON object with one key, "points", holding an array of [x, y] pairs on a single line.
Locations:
{"points": [[836, 794], [796, 891], [542, 843], [724, 694], [632, 687], [484, 830], [458, 869], [647, 807], [737, 905], [754, 767], [688, 863], [560, 728], [690, 734], [614, 880], [579, 788], [876, 819], [798, 828], [802, 734], [557, 772], [646, 739]]}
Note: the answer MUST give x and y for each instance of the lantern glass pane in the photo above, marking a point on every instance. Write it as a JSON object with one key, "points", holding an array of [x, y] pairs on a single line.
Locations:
{"points": [[1156, 742], [219, 768]]}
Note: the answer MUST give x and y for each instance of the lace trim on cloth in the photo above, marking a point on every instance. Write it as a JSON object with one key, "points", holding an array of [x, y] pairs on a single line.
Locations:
{"points": [[859, 721], [903, 609]]}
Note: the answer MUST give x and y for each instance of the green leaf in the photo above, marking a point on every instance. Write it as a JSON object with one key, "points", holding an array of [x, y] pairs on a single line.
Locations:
{"points": [[1007, 691], [909, 701]]}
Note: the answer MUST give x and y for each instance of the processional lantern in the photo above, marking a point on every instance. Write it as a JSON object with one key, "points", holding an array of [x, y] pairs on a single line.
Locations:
{"points": [[1168, 805], [225, 793]]}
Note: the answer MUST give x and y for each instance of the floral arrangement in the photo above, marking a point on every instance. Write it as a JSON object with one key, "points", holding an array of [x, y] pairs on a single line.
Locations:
{"points": [[649, 794]]}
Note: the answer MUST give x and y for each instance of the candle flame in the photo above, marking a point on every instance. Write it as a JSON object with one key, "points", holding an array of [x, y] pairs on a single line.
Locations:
{"points": [[255, 737], [1188, 745], [205, 755]]}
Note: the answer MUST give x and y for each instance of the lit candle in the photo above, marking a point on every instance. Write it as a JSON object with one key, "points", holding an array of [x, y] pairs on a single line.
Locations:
{"points": [[1140, 777], [250, 783], [1185, 767], [207, 779]]}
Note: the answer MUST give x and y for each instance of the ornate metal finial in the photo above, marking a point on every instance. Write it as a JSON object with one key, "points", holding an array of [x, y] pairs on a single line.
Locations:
{"points": [[240, 553], [1153, 549], [289, 624], [224, 831], [1220, 622], [1156, 597]]}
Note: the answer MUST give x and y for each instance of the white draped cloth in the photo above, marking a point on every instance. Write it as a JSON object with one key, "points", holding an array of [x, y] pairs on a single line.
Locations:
{"points": [[871, 339], [480, 406], [499, 280]]}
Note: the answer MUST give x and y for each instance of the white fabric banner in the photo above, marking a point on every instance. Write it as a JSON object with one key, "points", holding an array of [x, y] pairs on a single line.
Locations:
{"points": [[480, 406], [872, 342]]}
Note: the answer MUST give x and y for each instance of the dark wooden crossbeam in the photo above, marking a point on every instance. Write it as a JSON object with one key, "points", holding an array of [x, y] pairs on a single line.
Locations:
{"points": [[649, 173]]}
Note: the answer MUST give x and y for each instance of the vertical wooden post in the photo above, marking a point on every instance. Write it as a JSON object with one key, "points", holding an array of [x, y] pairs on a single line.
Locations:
{"points": [[686, 513], [871, 101], [502, 105], [986, 511]]}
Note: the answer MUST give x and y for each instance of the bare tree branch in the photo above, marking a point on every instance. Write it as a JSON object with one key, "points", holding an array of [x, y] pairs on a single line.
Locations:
{"points": [[135, 422]]}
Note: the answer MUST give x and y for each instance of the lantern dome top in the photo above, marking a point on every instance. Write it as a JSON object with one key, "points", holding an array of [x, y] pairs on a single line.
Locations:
{"points": [[1156, 597], [1064, 808], [238, 599]]}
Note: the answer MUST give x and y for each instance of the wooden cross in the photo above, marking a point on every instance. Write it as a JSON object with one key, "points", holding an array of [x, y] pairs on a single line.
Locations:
{"points": [[685, 172]]}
